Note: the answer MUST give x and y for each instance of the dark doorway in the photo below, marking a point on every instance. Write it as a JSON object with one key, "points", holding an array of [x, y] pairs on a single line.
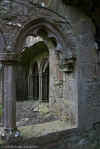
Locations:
{"points": [[35, 75], [45, 82]]}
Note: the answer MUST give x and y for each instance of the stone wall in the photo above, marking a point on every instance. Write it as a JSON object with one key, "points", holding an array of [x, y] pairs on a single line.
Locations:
{"points": [[79, 87], [78, 35], [63, 92]]}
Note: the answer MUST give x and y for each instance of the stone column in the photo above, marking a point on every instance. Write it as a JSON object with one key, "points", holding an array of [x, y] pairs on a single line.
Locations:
{"points": [[8, 61], [40, 86], [1, 83], [9, 103], [9, 97], [1, 93], [30, 86]]}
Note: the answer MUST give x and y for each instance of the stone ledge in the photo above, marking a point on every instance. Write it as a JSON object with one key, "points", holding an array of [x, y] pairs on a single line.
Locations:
{"points": [[43, 133], [40, 130]]}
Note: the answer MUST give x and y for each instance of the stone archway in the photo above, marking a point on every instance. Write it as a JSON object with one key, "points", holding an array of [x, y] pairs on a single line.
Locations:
{"points": [[39, 53], [39, 80], [59, 94], [54, 39]]}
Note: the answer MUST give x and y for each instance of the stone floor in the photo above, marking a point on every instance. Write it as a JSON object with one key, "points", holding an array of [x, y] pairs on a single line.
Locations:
{"points": [[30, 112]]}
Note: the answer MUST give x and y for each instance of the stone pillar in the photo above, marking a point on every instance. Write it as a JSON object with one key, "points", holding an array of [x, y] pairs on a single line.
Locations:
{"points": [[1, 71], [40, 86], [30, 86], [9, 97], [1, 94]]}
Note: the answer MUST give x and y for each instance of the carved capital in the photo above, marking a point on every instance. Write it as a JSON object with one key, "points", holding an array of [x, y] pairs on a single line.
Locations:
{"points": [[67, 65]]}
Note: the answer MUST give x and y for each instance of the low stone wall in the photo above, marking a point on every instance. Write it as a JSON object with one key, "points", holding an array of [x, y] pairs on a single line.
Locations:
{"points": [[87, 140]]}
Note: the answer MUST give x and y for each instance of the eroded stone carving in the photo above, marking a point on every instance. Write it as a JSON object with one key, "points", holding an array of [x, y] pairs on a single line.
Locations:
{"points": [[67, 65]]}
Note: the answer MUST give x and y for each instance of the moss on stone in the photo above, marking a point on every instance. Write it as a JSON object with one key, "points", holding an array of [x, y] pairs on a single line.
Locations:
{"points": [[43, 108]]}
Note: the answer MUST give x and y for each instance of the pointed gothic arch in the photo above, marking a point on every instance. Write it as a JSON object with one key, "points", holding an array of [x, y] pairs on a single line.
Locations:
{"points": [[60, 52]]}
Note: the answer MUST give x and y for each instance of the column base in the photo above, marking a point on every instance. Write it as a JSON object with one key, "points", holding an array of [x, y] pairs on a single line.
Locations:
{"points": [[11, 135]]}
